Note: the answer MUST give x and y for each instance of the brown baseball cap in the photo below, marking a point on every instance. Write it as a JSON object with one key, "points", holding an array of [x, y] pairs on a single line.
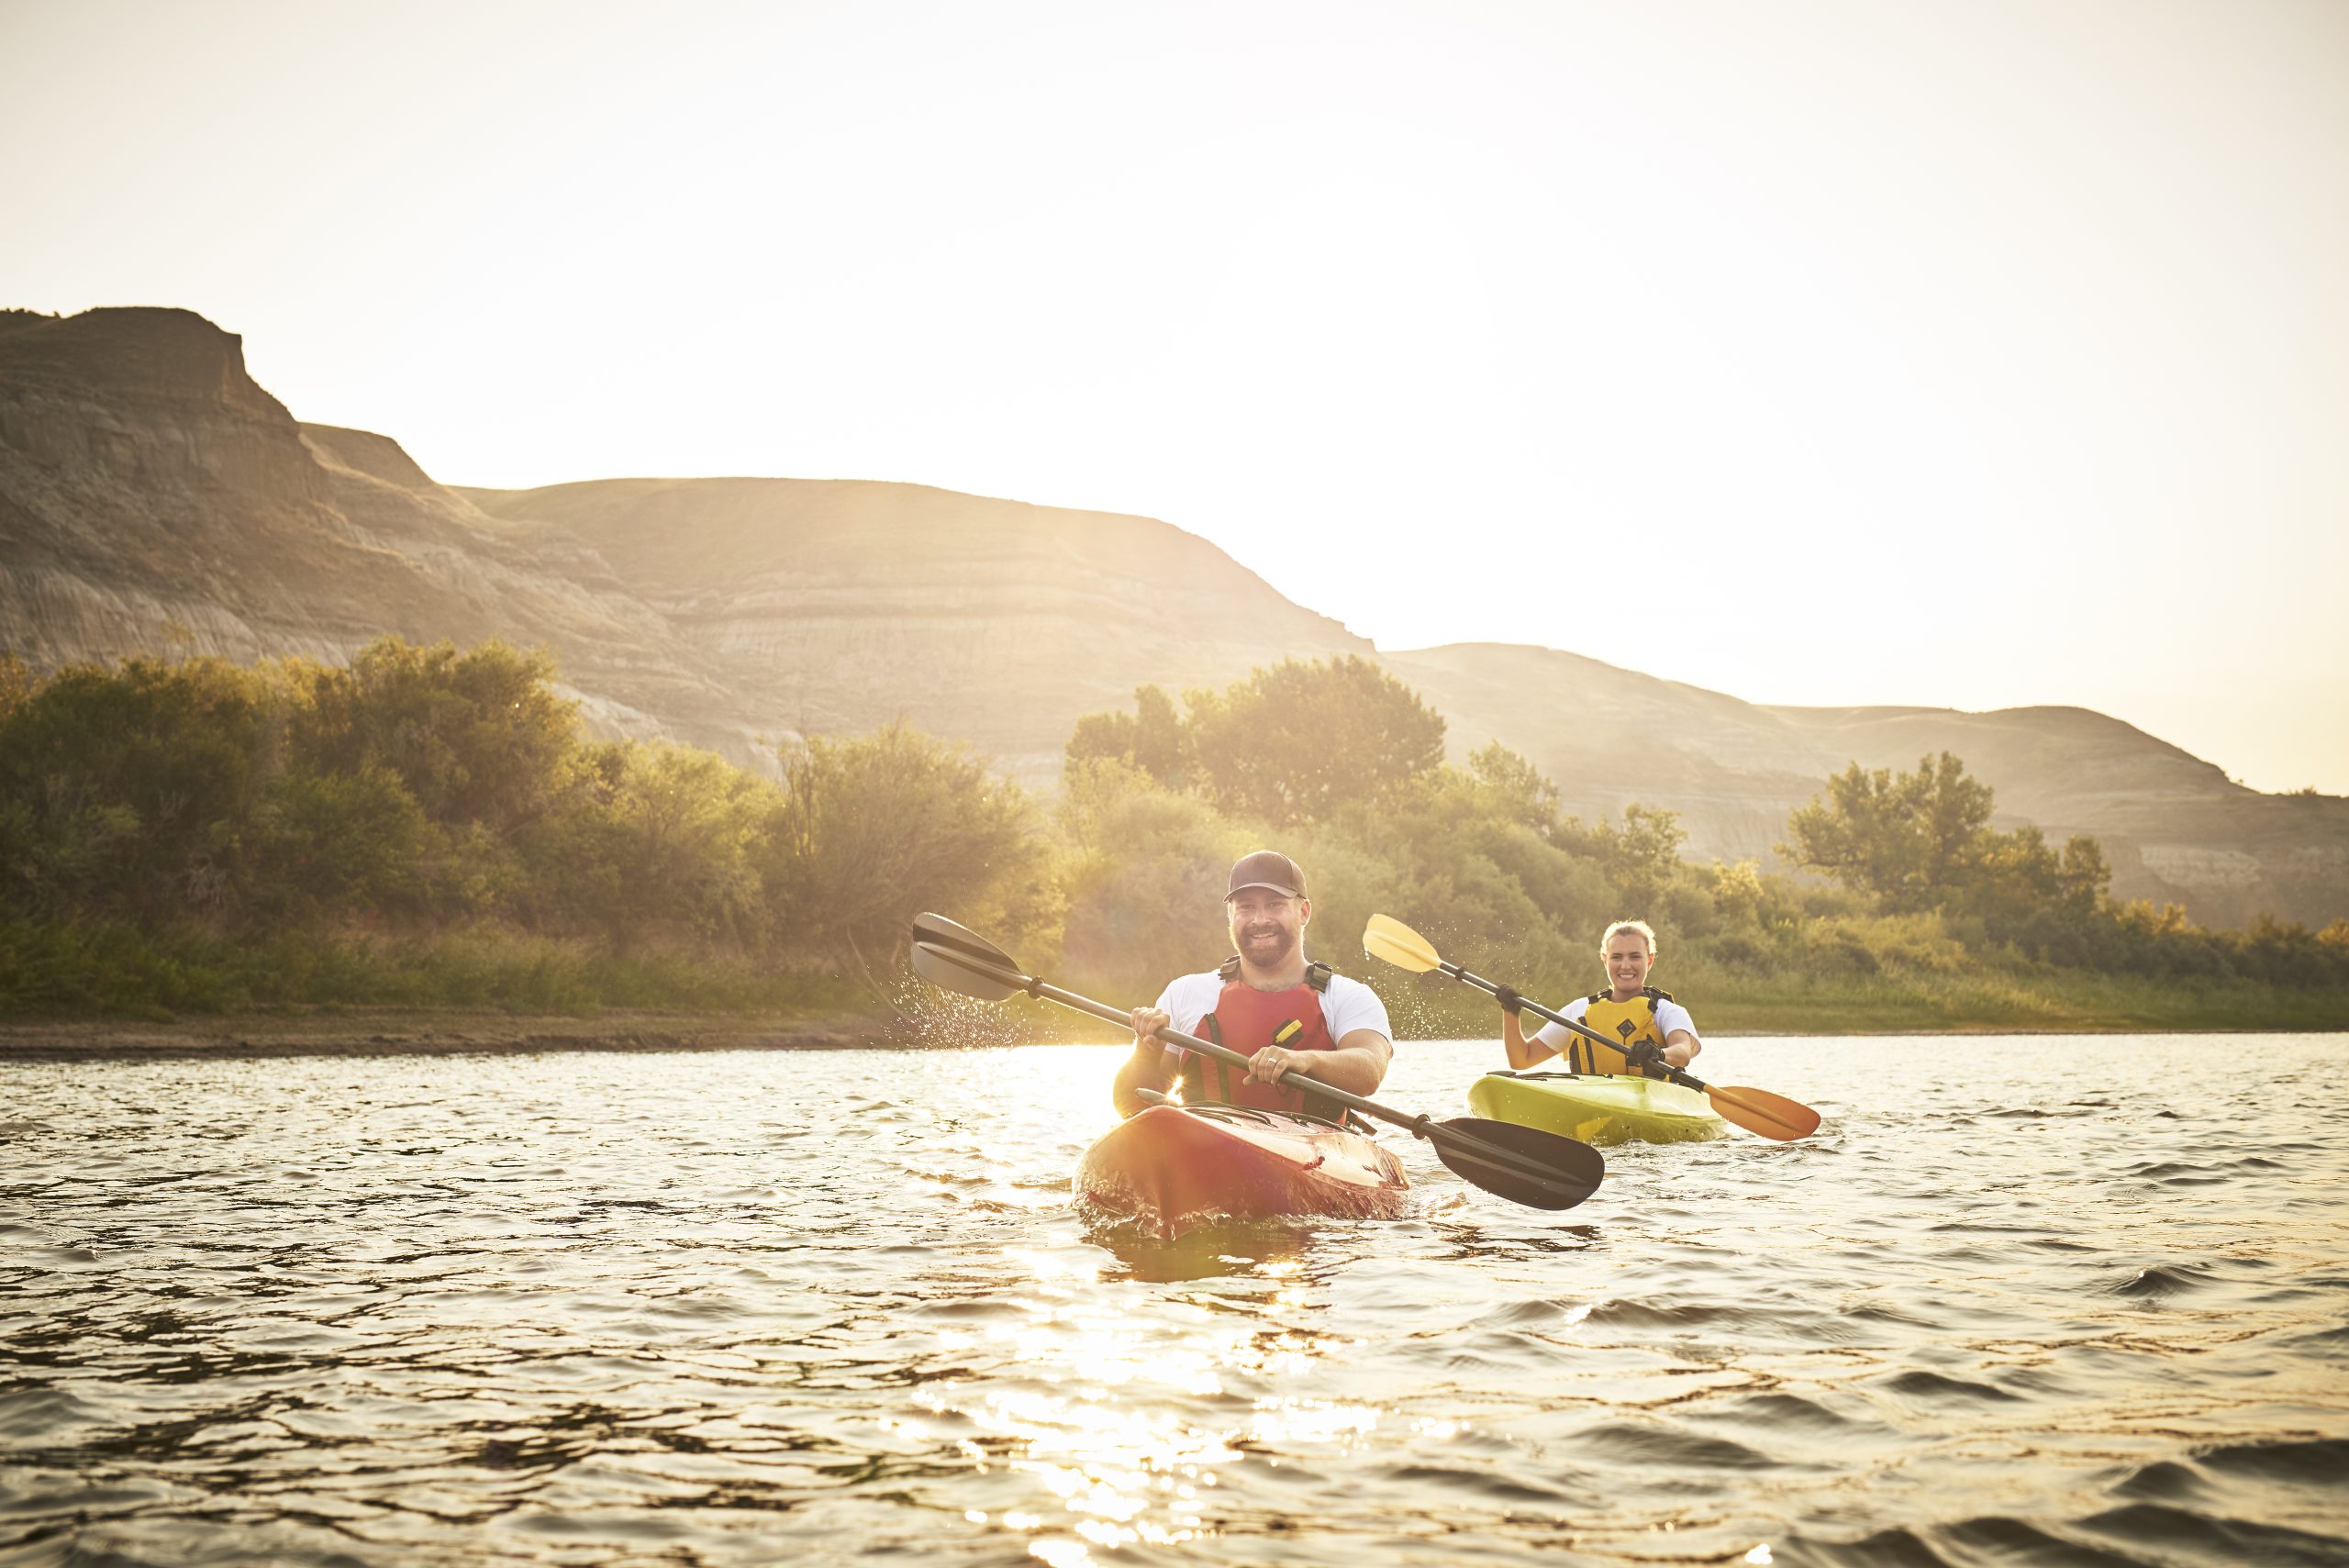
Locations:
{"points": [[1266, 868]]}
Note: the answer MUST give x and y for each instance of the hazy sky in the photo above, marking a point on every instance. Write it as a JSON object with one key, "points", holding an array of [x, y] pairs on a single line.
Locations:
{"points": [[1966, 354]]}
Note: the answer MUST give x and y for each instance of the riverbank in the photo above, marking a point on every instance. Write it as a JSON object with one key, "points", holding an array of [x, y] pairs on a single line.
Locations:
{"points": [[393, 1031], [432, 1032], [111, 989]]}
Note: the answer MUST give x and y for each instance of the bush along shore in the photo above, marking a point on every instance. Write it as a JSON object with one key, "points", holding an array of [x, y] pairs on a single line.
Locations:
{"points": [[428, 830]]}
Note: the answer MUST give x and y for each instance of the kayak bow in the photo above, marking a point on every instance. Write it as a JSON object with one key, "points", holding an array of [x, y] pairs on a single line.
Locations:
{"points": [[1172, 1167], [1597, 1108]]}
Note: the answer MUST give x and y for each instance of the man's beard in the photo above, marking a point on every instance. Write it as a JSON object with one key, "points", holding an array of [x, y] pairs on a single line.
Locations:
{"points": [[1254, 948]]}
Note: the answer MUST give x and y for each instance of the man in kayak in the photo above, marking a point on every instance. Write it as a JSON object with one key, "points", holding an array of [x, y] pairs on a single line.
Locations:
{"points": [[1651, 1025], [1267, 1003]]}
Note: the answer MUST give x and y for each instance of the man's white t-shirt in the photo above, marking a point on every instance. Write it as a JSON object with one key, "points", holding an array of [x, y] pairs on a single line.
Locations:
{"points": [[1346, 1006], [1669, 1016]]}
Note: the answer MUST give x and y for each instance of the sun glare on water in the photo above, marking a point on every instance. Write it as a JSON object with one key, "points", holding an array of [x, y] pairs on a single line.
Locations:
{"points": [[1108, 1418], [1125, 1418]]}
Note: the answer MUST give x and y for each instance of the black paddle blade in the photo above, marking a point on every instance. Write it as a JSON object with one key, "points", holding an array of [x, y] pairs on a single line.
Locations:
{"points": [[938, 941], [940, 932], [949, 971], [1540, 1170]]}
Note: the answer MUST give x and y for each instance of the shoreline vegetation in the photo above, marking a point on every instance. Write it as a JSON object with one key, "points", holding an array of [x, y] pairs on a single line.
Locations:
{"points": [[339, 1032], [422, 852], [410, 1032]]}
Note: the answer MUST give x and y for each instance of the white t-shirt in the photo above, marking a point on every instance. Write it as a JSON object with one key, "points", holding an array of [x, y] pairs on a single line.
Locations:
{"points": [[1346, 1006], [1669, 1016]]}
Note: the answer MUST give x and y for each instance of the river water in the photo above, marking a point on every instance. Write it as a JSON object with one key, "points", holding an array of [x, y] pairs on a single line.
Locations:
{"points": [[2021, 1301]]}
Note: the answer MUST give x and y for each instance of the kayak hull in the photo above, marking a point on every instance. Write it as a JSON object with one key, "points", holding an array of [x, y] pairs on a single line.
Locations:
{"points": [[1598, 1108], [1174, 1167]]}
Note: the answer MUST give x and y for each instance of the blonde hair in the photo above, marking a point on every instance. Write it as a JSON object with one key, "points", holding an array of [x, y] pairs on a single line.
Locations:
{"points": [[1639, 927]]}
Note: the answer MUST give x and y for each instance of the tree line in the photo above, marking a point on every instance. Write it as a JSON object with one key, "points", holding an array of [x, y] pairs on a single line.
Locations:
{"points": [[1483, 859], [424, 790]]}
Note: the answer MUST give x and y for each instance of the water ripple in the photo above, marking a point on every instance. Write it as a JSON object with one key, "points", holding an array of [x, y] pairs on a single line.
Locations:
{"points": [[743, 1308]]}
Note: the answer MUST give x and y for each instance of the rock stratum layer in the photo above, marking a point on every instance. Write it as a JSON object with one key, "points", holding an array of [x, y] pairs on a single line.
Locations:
{"points": [[153, 496]]}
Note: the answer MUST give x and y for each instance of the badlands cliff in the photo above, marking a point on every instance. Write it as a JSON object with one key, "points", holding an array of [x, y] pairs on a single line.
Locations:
{"points": [[153, 497]]}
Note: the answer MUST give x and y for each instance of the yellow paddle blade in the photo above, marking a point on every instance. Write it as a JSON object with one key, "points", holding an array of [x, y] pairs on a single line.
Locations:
{"points": [[1760, 1111], [1390, 939]]}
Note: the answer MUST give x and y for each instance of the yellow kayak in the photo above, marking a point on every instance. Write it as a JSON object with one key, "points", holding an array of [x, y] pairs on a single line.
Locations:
{"points": [[1596, 1107]]}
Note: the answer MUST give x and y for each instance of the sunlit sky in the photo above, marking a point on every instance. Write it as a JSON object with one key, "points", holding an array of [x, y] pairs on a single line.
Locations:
{"points": [[1966, 354]]}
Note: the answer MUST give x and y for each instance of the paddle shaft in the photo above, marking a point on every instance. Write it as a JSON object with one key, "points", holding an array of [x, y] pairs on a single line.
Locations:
{"points": [[1419, 1126], [1675, 1075]]}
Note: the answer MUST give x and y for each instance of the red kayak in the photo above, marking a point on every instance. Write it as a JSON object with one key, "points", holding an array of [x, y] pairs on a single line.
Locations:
{"points": [[1175, 1167]]}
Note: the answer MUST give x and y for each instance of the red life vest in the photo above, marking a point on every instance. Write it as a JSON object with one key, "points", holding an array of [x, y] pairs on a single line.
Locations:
{"points": [[1246, 1020]]}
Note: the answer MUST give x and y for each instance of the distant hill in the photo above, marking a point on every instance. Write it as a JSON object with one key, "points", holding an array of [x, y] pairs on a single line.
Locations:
{"points": [[153, 495], [836, 605], [2175, 826]]}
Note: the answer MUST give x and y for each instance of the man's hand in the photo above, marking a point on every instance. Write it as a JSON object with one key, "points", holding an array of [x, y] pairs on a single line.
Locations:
{"points": [[1508, 997], [1146, 1069], [1268, 1064], [1645, 1057]]}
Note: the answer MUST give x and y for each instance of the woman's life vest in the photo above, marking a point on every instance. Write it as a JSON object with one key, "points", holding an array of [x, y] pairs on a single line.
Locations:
{"points": [[1246, 1020], [1629, 1022]]}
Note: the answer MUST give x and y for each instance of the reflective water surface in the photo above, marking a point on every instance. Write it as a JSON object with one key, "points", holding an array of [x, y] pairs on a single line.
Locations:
{"points": [[2021, 1301]]}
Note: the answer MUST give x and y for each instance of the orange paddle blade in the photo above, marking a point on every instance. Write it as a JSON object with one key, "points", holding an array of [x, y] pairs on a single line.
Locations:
{"points": [[1758, 1110]]}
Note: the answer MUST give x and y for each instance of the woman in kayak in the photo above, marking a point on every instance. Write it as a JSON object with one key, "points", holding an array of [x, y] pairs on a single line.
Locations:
{"points": [[1651, 1025]]}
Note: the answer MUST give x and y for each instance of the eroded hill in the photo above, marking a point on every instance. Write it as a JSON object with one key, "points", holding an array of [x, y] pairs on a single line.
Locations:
{"points": [[153, 496]]}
